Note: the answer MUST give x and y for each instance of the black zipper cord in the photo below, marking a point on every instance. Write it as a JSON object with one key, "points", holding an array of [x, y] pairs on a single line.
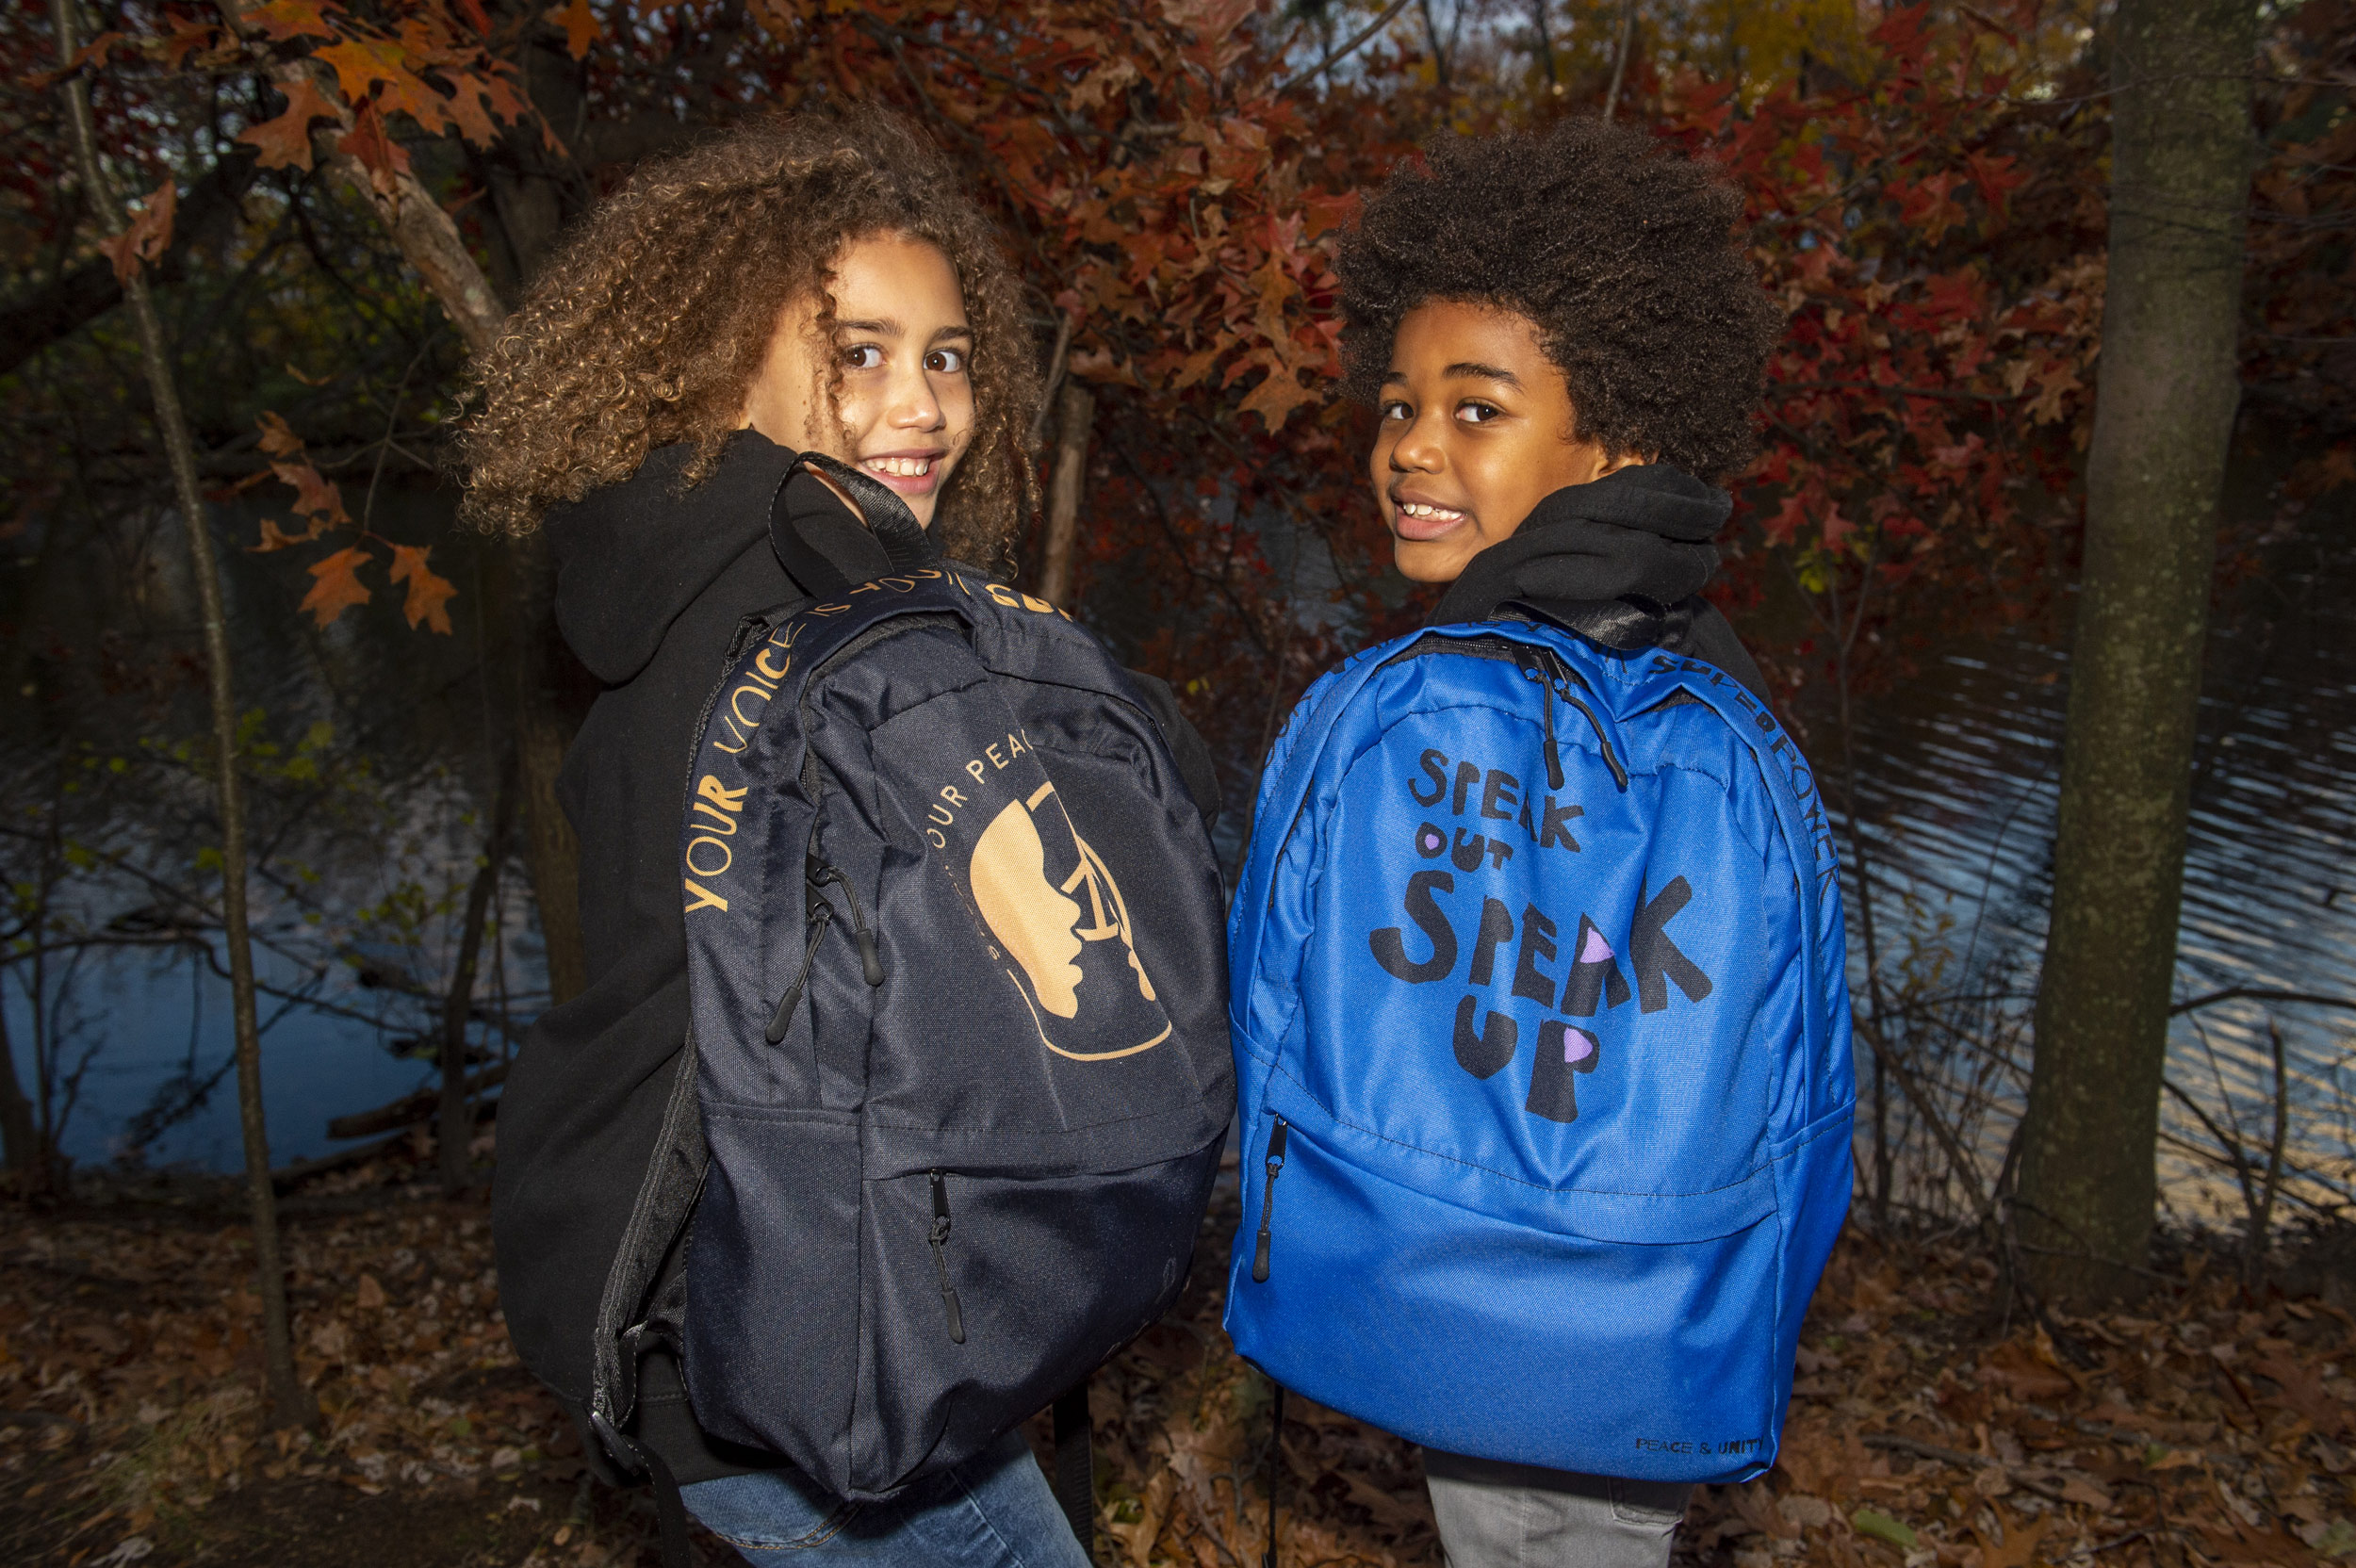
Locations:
{"points": [[1539, 665], [1546, 666], [782, 1020], [939, 1239], [871, 961], [1276, 1140], [1611, 758]]}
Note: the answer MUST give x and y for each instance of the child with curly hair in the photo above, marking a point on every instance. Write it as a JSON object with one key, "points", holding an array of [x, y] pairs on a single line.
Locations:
{"points": [[1564, 345], [819, 284]]}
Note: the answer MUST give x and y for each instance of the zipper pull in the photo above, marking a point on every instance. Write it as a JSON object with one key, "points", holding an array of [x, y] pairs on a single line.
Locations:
{"points": [[871, 961], [1603, 742], [782, 1020], [939, 1239], [1268, 1201], [1550, 669], [1534, 663]]}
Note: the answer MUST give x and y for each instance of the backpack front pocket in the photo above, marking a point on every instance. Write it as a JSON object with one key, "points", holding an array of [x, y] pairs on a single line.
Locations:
{"points": [[1508, 1340]]}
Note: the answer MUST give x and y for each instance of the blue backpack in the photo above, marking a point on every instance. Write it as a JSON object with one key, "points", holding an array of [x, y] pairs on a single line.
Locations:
{"points": [[1542, 1037]]}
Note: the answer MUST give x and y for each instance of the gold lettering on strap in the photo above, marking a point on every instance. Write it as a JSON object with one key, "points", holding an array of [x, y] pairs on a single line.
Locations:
{"points": [[705, 899]]}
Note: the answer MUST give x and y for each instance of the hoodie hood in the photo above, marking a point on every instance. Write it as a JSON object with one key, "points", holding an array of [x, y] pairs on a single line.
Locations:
{"points": [[1643, 531], [1621, 561], [632, 556]]}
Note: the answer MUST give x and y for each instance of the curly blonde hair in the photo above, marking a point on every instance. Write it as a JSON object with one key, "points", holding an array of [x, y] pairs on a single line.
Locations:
{"points": [[649, 327]]}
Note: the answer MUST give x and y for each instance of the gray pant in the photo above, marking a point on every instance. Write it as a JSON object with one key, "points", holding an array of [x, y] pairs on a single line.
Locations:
{"points": [[1492, 1515]]}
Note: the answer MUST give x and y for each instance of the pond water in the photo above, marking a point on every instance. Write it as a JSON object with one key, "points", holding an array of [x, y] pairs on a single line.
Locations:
{"points": [[152, 1020], [1955, 789]]}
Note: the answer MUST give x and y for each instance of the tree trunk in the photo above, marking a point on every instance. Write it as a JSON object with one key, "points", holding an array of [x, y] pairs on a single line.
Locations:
{"points": [[2180, 174], [290, 1402], [454, 1128], [524, 649], [1078, 416], [18, 1138]]}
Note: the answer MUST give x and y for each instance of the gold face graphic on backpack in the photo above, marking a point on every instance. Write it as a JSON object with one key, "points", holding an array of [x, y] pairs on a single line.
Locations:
{"points": [[1063, 931]]}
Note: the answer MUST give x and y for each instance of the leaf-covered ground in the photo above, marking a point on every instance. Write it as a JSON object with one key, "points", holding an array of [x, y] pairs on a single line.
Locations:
{"points": [[1928, 1429]]}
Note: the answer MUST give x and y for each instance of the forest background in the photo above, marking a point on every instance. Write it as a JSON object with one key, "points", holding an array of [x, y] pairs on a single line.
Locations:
{"points": [[332, 206]]}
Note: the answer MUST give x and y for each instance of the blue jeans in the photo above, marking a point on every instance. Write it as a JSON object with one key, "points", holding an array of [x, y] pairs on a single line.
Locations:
{"points": [[996, 1511]]}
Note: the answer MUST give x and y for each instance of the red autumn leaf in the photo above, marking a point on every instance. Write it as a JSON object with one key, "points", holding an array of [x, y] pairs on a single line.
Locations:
{"points": [[185, 39], [378, 152], [580, 28], [476, 15], [285, 141], [1323, 212], [338, 587], [428, 593], [278, 440]]}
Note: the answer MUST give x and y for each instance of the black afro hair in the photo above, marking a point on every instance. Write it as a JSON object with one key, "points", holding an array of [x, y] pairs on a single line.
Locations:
{"points": [[1624, 254]]}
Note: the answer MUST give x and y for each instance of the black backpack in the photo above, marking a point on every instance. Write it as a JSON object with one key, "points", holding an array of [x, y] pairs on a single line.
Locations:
{"points": [[956, 1073]]}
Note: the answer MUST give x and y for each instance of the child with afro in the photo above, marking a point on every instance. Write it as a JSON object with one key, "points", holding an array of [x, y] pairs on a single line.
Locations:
{"points": [[1564, 345]]}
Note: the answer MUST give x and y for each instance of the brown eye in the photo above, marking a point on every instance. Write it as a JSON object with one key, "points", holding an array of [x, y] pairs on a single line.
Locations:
{"points": [[1395, 410], [863, 356], [1473, 412], [946, 361]]}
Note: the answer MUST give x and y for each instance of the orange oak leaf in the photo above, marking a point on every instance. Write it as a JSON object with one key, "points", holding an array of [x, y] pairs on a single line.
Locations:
{"points": [[580, 28], [276, 538], [428, 593], [1279, 393], [281, 19], [315, 496], [466, 112], [338, 587], [360, 63], [405, 92], [149, 236], [285, 141], [277, 439]]}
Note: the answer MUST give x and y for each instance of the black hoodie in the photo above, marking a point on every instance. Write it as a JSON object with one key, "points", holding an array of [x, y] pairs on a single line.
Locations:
{"points": [[651, 585], [1622, 561]]}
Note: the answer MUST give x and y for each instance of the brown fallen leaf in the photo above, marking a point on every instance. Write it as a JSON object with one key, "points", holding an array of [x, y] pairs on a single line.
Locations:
{"points": [[2019, 1548], [2302, 1392], [2239, 1543], [2079, 1487]]}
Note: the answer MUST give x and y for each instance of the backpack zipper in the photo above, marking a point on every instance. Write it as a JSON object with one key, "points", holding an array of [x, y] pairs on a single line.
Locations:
{"points": [[1546, 666], [939, 1239], [1267, 1202], [871, 961], [782, 1020]]}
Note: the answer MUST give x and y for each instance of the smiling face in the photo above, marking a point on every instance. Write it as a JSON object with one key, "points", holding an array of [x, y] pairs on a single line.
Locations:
{"points": [[903, 410], [1476, 429]]}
